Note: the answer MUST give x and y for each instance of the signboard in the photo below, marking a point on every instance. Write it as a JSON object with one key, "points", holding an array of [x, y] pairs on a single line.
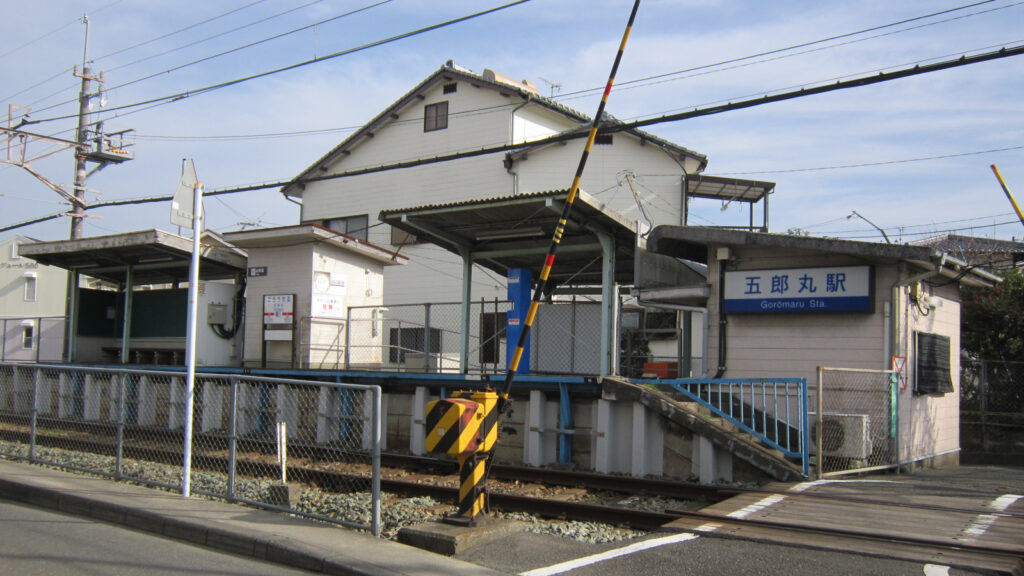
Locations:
{"points": [[278, 308], [832, 289], [256, 271], [184, 199], [328, 297]]}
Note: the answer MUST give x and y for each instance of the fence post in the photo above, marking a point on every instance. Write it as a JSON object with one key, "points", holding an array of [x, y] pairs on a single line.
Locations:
{"points": [[426, 337], [34, 415], [375, 481], [804, 429], [120, 424], [983, 394], [233, 438], [819, 457]]}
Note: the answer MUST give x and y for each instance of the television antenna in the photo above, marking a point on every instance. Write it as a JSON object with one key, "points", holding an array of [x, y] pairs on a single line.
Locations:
{"points": [[554, 87]]}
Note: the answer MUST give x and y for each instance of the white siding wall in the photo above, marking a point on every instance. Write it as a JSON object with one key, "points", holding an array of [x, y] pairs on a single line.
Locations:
{"points": [[931, 424], [51, 285], [433, 274], [794, 345], [658, 177], [289, 271]]}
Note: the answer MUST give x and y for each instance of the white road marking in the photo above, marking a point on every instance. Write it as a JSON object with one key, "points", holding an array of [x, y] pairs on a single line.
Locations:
{"points": [[982, 522], [936, 570], [618, 552], [808, 485], [757, 506]]}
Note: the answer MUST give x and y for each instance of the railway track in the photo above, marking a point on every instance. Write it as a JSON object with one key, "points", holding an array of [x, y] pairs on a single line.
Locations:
{"points": [[971, 553]]}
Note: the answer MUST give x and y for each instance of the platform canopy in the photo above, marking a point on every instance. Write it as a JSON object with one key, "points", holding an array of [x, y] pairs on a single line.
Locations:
{"points": [[515, 232], [155, 257]]}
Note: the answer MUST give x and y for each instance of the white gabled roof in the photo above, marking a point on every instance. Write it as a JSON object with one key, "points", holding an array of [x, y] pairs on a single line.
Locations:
{"points": [[489, 79]]}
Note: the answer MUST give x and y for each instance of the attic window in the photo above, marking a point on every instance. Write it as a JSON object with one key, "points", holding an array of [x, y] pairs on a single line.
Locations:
{"points": [[603, 139], [451, 88], [435, 116]]}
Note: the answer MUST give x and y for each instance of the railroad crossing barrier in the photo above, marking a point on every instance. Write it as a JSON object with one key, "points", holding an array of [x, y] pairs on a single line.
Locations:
{"points": [[465, 426]]}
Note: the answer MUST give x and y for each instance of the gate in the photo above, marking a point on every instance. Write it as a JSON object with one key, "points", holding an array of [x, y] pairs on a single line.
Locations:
{"points": [[853, 420]]}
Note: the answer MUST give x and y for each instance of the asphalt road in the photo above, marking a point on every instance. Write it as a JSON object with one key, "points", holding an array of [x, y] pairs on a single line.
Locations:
{"points": [[34, 541], [537, 555]]}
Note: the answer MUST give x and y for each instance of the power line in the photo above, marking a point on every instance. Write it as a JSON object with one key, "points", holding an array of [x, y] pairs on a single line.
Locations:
{"points": [[608, 128], [869, 164], [197, 91], [786, 49], [56, 30]]}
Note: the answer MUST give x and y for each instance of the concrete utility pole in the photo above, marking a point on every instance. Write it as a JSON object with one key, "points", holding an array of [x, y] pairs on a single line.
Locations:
{"points": [[78, 206]]}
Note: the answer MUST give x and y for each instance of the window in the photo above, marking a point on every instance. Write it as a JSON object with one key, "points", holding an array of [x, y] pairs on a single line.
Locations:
{"points": [[354, 226], [30, 288], [28, 337], [435, 117], [400, 237]]}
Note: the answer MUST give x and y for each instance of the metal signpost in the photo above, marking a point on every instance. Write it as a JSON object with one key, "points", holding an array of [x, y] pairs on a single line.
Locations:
{"points": [[187, 210]]}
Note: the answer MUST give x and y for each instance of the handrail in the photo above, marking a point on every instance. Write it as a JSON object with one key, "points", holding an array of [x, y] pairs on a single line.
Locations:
{"points": [[763, 408]]}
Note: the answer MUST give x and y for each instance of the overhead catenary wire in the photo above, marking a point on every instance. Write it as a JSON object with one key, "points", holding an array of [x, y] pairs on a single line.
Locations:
{"points": [[606, 128]]}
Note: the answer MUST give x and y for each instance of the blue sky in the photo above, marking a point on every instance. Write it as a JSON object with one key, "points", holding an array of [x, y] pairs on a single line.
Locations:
{"points": [[802, 145]]}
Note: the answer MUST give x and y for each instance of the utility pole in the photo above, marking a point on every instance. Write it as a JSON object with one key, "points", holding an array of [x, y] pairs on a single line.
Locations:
{"points": [[82, 135]]}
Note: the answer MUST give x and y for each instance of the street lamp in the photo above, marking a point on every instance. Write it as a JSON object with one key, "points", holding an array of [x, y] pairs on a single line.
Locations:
{"points": [[875, 226]]}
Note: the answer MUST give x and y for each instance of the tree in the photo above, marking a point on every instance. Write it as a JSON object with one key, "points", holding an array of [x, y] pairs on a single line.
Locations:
{"points": [[992, 320]]}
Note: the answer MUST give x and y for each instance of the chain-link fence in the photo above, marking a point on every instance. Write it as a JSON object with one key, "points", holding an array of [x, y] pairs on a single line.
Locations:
{"points": [[428, 338], [277, 443], [853, 420], [992, 410]]}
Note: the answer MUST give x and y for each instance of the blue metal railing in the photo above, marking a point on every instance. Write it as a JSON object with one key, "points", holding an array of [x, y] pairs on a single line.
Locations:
{"points": [[773, 410]]}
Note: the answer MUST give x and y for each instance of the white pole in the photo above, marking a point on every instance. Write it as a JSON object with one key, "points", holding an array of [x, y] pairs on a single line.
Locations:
{"points": [[282, 449], [190, 343]]}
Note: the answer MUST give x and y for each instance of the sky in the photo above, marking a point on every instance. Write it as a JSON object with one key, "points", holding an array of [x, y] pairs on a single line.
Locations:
{"points": [[910, 156]]}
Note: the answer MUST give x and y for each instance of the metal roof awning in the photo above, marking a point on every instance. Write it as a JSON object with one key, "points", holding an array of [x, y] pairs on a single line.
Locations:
{"points": [[156, 257], [691, 243], [729, 190], [515, 232]]}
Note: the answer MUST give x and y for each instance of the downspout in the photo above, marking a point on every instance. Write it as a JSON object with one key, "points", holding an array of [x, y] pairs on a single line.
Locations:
{"points": [[512, 139], [723, 320]]}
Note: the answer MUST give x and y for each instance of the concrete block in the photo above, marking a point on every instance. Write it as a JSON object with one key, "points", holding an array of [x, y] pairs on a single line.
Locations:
{"points": [[284, 495], [442, 538]]}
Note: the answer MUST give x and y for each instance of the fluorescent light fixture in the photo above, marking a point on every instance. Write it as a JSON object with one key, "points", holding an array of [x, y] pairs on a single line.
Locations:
{"points": [[511, 233]]}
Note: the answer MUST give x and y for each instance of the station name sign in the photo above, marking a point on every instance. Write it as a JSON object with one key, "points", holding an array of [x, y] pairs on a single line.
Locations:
{"points": [[831, 289]]}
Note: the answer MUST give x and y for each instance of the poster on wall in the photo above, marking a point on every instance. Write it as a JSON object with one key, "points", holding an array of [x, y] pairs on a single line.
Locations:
{"points": [[328, 296], [788, 290]]}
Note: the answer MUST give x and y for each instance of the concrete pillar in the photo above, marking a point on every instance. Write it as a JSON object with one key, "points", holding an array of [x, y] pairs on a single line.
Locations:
{"points": [[288, 409], [147, 401], [65, 400], [603, 437], [417, 431], [213, 407], [533, 447], [176, 414], [327, 415], [638, 463], [711, 463], [92, 397]]}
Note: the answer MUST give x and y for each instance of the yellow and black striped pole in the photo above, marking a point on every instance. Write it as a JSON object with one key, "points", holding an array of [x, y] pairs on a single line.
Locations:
{"points": [[556, 238]]}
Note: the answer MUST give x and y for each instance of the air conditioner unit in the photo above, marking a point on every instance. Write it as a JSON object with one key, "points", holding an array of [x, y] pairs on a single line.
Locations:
{"points": [[842, 435]]}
